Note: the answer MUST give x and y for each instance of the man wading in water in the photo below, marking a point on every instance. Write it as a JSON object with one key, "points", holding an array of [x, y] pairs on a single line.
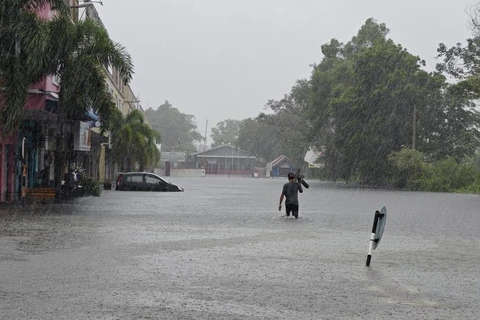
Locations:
{"points": [[290, 192]]}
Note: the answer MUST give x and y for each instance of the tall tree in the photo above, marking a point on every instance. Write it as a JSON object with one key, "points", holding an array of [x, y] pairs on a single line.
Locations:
{"points": [[370, 97], [283, 132], [370, 33], [226, 132], [292, 128], [374, 116], [462, 62], [461, 119], [329, 80], [259, 137], [178, 130], [448, 125]]}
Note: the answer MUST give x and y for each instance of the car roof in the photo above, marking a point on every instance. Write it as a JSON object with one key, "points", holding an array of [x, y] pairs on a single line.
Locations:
{"points": [[138, 172]]}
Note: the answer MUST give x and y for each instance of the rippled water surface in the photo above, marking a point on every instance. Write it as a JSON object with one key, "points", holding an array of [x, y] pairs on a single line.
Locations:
{"points": [[222, 250]]}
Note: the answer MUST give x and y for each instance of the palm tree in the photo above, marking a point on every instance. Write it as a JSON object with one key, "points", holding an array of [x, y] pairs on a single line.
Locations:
{"points": [[134, 141], [23, 54], [79, 53]]}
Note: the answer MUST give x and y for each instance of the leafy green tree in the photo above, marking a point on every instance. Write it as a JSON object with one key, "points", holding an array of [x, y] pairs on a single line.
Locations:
{"points": [[476, 160], [24, 50], [460, 130], [178, 130], [226, 132], [449, 128], [291, 127], [283, 132], [370, 97], [374, 116], [134, 142], [370, 33], [259, 137], [328, 81], [460, 62]]}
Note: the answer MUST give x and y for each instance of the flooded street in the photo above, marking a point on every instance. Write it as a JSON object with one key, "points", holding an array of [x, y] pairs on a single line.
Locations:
{"points": [[222, 250]]}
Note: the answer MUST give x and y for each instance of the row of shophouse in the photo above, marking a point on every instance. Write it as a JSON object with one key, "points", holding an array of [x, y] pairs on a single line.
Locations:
{"points": [[27, 156]]}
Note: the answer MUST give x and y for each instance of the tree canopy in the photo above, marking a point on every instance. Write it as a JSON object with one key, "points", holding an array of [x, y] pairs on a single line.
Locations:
{"points": [[226, 132], [368, 99], [178, 130], [134, 142], [24, 54]]}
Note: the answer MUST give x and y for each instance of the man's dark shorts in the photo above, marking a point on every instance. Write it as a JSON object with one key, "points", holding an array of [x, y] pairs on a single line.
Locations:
{"points": [[291, 208]]}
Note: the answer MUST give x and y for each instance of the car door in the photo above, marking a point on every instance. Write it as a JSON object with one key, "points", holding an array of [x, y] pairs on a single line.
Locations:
{"points": [[154, 183], [126, 183], [135, 182]]}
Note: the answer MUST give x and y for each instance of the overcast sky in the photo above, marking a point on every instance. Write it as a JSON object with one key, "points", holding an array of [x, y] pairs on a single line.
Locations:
{"points": [[219, 59]]}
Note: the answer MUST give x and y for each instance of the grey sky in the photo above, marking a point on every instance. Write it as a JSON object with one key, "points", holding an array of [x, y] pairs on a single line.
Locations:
{"points": [[219, 59]]}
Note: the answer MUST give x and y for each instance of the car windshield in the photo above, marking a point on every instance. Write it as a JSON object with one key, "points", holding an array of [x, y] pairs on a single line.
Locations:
{"points": [[164, 180]]}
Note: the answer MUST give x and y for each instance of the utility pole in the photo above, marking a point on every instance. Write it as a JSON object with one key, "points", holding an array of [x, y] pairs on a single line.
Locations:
{"points": [[205, 141], [414, 126]]}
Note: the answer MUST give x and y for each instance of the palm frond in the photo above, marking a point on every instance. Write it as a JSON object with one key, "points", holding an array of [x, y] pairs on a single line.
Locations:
{"points": [[13, 99], [107, 51]]}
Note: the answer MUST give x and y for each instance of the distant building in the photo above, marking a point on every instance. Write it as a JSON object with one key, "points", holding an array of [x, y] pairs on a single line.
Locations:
{"points": [[224, 160], [279, 167]]}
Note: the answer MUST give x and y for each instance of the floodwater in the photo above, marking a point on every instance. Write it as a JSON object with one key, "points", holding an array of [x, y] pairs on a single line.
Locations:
{"points": [[222, 250]]}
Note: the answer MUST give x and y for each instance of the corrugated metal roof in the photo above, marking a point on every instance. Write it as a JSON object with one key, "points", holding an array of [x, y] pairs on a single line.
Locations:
{"points": [[224, 151], [280, 160]]}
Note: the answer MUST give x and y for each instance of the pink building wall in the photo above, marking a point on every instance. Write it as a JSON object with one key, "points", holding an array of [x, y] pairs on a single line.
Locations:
{"points": [[37, 101]]}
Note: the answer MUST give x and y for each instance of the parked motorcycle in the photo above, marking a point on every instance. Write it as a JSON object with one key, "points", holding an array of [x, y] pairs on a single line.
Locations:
{"points": [[71, 186]]}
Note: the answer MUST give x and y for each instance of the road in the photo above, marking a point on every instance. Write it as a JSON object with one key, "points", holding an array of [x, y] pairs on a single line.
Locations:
{"points": [[222, 250]]}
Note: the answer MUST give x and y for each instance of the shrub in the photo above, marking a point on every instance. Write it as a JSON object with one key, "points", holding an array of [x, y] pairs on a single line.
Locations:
{"points": [[411, 172], [408, 169], [448, 176], [90, 186]]}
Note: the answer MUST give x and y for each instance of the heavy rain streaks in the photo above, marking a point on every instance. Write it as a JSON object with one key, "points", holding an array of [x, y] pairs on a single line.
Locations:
{"points": [[222, 250], [375, 103]]}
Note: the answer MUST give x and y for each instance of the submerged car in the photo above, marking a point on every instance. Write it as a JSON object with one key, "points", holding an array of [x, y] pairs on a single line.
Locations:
{"points": [[144, 181]]}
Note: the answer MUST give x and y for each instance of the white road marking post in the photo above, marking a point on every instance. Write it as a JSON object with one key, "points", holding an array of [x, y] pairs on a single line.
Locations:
{"points": [[372, 238]]}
